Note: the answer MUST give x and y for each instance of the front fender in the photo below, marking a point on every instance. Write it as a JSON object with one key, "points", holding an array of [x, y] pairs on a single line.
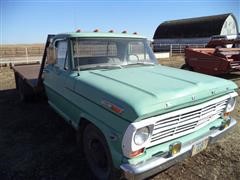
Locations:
{"points": [[113, 138]]}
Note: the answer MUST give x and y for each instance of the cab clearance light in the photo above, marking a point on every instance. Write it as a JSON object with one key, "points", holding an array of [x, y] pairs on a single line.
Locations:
{"points": [[136, 153], [175, 148]]}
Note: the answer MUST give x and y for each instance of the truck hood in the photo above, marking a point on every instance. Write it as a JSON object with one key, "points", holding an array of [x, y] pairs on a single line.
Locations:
{"points": [[149, 90]]}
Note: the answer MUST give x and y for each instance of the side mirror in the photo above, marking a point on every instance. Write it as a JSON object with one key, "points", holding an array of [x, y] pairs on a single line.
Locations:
{"points": [[51, 55]]}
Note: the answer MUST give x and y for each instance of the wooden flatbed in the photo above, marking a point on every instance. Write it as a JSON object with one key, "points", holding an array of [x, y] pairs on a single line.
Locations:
{"points": [[28, 77], [29, 73]]}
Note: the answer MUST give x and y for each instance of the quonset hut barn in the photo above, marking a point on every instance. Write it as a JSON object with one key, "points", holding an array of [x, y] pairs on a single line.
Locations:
{"points": [[194, 31]]}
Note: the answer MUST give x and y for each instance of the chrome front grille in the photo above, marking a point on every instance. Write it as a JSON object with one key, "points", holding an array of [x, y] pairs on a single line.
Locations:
{"points": [[182, 122]]}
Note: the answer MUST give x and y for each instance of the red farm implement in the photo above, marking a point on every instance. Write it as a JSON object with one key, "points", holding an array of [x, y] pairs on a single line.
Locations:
{"points": [[220, 56]]}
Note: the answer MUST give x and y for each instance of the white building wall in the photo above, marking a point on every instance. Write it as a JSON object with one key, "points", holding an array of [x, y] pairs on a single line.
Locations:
{"points": [[229, 27]]}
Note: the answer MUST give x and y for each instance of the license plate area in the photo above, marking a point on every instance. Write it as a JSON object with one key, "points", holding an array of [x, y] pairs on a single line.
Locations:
{"points": [[199, 146]]}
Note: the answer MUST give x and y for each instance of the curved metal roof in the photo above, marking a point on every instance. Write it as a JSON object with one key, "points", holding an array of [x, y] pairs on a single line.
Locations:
{"points": [[194, 27]]}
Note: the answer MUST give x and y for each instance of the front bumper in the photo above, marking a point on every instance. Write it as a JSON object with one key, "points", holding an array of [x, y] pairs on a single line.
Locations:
{"points": [[157, 164]]}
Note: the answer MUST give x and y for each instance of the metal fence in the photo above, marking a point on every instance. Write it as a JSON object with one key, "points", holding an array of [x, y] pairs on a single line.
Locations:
{"points": [[33, 54], [20, 55], [175, 49]]}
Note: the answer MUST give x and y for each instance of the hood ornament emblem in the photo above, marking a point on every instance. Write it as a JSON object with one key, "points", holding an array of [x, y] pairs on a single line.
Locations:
{"points": [[193, 98]]}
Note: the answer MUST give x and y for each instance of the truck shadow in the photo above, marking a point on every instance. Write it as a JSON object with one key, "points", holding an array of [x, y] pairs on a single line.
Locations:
{"points": [[36, 143]]}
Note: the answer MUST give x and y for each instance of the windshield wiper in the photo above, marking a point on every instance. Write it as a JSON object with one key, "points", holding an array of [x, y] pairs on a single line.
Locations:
{"points": [[142, 63], [108, 66]]}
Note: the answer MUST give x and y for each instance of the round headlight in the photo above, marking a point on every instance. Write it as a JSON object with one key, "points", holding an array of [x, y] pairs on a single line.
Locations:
{"points": [[141, 135], [231, 104]]}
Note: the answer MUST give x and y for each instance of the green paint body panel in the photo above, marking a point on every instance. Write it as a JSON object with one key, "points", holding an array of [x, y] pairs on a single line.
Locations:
{"points": [[141, 91], [155, 85]]}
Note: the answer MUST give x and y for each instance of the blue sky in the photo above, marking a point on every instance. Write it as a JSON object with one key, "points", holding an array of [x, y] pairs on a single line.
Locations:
{"points": [[29, 21]]}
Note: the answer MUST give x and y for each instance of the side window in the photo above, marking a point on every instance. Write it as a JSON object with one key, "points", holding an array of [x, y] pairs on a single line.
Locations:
{"points": [[61, 47], [137, 52]]}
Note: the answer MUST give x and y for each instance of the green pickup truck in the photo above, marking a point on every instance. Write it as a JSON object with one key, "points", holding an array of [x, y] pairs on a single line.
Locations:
{"points": [[133, 117]]}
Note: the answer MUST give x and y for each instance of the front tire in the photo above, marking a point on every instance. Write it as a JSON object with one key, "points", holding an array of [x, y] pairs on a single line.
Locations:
{"points": [[97, 154]]}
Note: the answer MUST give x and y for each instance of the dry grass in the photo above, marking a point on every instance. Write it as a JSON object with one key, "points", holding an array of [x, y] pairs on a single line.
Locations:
{"points": [[6, 79]]}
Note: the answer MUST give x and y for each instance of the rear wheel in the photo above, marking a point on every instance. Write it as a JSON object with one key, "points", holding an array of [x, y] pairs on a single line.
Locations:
{"points": [[97, 154], [23, 89]]}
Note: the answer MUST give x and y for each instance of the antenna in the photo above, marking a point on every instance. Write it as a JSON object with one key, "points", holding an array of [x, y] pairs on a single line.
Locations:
{"points": [[77, 46], [75, 18], [78, 68]]}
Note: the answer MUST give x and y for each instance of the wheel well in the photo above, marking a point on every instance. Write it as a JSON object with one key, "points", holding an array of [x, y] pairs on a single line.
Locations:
{"points": [[81, 126], [83, 123]]}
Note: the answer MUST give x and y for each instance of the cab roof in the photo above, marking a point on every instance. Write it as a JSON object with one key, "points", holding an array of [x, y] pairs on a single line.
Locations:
{"points": [[98, 35]]}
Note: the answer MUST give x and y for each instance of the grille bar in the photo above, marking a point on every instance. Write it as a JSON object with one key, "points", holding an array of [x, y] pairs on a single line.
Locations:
{"points": [[174, 126]]}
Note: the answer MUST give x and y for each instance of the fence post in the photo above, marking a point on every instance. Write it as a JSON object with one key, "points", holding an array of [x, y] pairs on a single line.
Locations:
{"points": [[170, 50], [26, 51]]}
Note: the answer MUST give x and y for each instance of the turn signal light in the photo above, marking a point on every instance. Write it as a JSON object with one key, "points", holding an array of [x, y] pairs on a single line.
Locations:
{"points": [[112, 106], [175, 148], [226, 115], [136, 153], [116, 109]]}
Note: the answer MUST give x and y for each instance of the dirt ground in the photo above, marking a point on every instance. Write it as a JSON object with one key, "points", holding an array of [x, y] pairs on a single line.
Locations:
{"points": [[35, 143]]}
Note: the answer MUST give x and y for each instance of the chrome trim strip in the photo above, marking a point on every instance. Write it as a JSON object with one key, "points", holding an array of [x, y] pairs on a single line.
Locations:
{"points": [[186, 123]]}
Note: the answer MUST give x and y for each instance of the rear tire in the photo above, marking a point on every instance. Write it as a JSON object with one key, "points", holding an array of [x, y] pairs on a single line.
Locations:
{"points": [[97, 154], [24, 90]]}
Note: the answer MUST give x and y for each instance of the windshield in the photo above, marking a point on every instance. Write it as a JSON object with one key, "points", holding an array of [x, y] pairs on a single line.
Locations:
{"points": [[111, 52]]}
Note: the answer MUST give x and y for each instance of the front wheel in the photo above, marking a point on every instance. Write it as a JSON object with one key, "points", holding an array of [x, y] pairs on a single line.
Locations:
{"points": [[97, 154]]}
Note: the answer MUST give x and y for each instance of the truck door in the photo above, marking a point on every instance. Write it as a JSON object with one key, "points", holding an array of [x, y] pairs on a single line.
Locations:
{"points": [[58, 79]]}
